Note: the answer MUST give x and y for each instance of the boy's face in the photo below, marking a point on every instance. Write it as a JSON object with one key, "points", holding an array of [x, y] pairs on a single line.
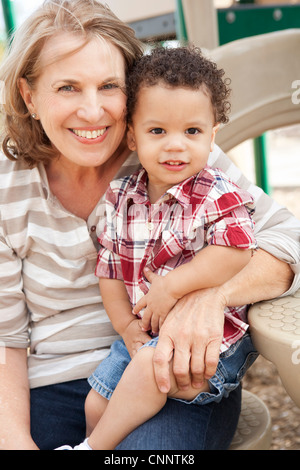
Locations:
{"points": [[173, 132]]}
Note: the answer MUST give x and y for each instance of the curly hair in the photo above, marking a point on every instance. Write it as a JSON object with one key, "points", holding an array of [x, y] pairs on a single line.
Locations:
{"points": [[23, 138], [179, 67]]}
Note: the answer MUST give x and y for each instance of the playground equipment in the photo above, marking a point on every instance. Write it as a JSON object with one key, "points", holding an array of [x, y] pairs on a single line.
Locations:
{"points": [[263, 69]]}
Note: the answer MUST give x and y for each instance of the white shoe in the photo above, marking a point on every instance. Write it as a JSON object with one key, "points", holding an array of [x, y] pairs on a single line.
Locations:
{"points": [[83, 446], [64, 448]]}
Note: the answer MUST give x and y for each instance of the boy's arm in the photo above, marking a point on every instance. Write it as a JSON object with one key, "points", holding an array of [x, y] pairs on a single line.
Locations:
{"points": [[211, 267], [118, 308]]}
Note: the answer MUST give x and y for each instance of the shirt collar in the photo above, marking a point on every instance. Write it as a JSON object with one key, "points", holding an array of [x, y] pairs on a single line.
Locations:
{"points": [[138, 190], [182, 192]]}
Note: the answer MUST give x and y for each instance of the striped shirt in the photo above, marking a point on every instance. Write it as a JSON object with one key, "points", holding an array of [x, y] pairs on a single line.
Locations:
{"points": [[49, 295], [205, 209]]}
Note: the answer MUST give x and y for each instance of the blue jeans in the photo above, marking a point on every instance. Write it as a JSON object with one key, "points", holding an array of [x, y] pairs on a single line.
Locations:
{"points": [[232, 366], [57, 418]]}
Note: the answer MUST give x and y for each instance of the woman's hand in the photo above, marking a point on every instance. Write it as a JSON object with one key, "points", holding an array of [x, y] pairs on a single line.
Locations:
{"points": [[191, 334]]}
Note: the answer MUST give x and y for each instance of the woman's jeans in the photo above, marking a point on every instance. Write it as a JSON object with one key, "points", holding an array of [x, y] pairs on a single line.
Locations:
{"points": [[57, 418]]}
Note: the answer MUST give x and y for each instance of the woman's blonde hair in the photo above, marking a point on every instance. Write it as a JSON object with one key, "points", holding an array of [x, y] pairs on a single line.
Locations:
{"points": [[24, 137]]}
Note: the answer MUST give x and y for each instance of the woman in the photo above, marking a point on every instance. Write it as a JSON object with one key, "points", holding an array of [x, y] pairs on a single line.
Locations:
{"points": [[63, 143]]}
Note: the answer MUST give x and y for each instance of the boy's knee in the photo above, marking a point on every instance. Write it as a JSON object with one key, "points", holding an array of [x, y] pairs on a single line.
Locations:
{"points": [[142, 364], [144, 358]]}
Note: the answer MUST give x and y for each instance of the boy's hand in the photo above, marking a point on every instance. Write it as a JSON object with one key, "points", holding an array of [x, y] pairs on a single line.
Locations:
{"points": [[134, 337], [157, 303]]}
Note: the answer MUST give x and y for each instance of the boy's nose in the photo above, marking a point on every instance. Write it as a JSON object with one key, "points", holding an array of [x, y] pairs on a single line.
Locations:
{"points": [[175, 143]]}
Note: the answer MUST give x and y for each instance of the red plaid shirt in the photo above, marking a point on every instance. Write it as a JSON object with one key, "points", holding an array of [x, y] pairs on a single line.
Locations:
{"points": [[205, 209]]}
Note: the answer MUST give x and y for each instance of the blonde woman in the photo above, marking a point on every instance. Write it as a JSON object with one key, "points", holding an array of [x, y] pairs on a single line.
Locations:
{"points": [[63, 142]]}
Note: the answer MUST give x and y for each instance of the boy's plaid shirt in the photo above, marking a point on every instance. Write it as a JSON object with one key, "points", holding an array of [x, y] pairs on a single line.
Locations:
{"points": [[207, 208]]}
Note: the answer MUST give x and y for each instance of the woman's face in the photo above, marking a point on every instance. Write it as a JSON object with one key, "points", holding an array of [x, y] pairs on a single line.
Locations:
{"points": [[80, 99]]}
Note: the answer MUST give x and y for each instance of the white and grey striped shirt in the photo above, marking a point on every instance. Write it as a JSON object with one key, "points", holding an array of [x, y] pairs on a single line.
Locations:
{"points": [[49, 294]]}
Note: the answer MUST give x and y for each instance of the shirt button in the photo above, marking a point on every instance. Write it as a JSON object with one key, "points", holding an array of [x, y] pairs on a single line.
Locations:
{"points": [[93, 228], [150, 225]]}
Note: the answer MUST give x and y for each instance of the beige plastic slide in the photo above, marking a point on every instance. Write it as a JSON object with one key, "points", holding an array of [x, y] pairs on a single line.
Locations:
{"points": [[265, 74], [275, 328]]}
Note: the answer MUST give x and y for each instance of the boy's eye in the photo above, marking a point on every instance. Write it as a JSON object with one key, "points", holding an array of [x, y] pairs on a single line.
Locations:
{"points": [[192, 131], [157, 131]]}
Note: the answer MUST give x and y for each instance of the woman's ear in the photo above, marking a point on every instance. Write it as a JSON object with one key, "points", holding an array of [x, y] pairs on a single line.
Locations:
{"points": [[26, 94], [131, 138], [213, 135]]}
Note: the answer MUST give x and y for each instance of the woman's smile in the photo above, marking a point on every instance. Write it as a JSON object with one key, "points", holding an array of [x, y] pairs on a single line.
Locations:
{"points": [[90, 136]]}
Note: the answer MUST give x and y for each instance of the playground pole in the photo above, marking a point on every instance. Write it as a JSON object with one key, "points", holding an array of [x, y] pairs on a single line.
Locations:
{"points": [[9, 17]]}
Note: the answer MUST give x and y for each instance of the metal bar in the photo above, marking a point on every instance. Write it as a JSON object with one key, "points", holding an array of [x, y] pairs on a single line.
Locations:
{"points": [[157, 27], [181, 31], [9, 16], [250, 20], [261, 164]]}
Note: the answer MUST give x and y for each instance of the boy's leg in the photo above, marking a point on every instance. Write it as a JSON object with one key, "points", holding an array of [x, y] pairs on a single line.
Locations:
{"points": [[135, 400], [181, 427], [94, 406]]}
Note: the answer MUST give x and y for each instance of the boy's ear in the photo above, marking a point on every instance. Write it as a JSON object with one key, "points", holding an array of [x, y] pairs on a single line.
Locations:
{"points": [[131, 138], [213, 135]]}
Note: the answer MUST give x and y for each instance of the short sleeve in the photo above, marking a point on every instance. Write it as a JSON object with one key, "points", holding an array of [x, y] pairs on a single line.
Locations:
{"points": [[235, 229], [108, 261], [108, 265]]}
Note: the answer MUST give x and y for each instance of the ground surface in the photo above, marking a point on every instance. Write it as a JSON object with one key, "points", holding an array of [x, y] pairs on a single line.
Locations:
{"points": [[262, 380]]}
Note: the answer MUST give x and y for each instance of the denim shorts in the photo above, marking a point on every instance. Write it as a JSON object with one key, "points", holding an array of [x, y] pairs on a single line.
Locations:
{"points": [[232, 366]]}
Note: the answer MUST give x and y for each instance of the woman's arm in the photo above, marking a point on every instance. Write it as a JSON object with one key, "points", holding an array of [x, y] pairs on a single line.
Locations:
{"points": [[266, 277], [15, 402], [194, 337]]}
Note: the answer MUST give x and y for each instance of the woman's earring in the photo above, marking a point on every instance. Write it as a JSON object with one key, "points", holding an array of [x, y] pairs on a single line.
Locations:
{"points": [[33, 115]]}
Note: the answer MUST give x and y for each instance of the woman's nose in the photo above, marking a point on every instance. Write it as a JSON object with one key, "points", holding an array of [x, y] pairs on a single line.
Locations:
{"points": [[91, 108]]}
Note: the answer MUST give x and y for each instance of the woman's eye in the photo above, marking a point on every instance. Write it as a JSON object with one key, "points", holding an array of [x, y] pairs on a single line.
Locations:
{"points": [[193, 131], [109, 86], [66, 88], [157, 131]]}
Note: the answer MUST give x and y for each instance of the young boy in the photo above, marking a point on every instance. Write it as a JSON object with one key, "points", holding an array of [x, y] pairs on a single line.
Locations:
{"points": [[178, 218]]}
